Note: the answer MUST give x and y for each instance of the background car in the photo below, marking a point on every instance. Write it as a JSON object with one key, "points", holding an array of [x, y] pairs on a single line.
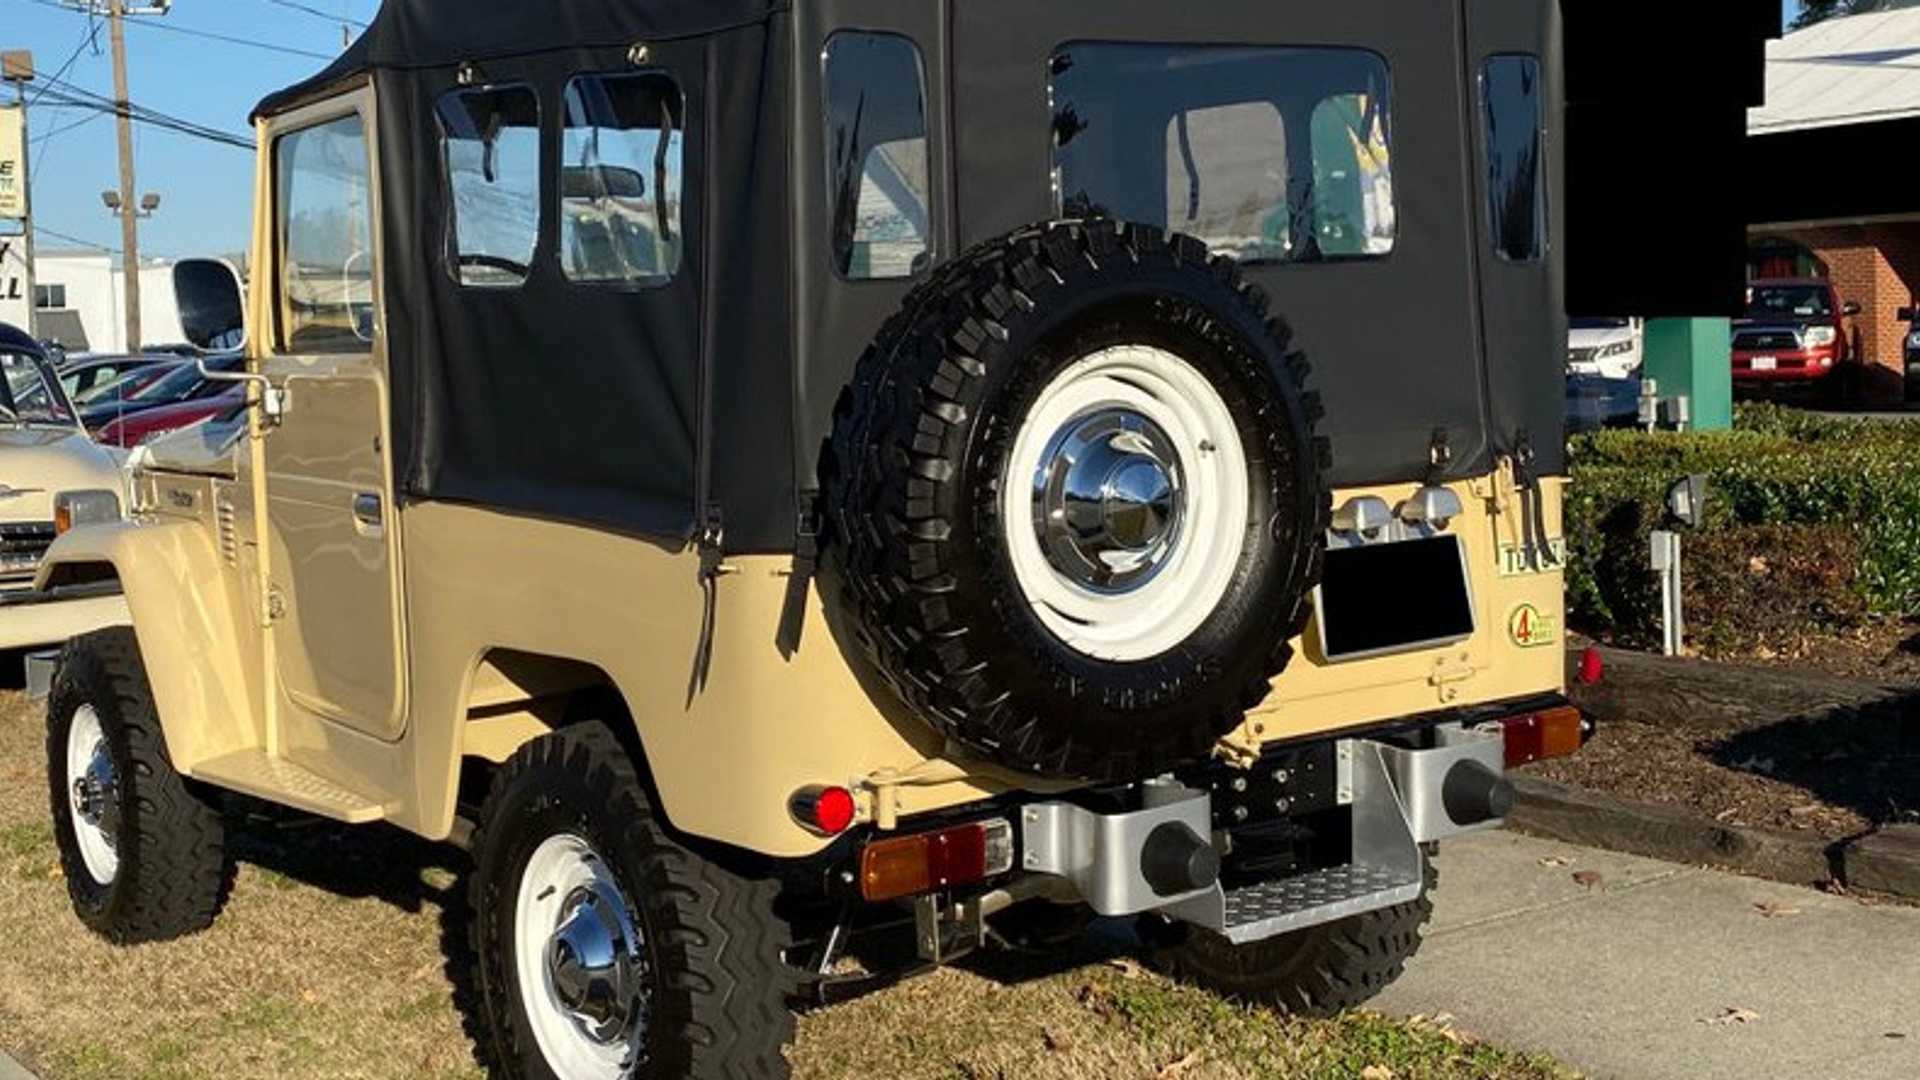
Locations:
{"points": [[80, 376], [184, 383], [1794, 335], [126, 385], [135, 428], [52, 477], [1606, 348]]}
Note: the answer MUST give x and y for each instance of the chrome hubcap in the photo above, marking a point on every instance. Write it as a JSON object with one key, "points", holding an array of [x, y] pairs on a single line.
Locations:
{"points": [[594, 961], [1108, 501], [96, 794]]}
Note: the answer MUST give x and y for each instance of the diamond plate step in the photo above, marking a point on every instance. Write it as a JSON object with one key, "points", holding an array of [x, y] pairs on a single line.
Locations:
{"points": [[1260, 911], [256, 773]]}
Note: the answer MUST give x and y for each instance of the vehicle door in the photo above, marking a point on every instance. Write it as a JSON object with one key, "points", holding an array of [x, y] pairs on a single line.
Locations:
{"points": [[334, 564]]}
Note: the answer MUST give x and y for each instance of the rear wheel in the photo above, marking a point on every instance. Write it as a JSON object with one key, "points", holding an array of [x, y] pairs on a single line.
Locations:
{"points": [[608, 949], [143, 848], [1318, 971]]}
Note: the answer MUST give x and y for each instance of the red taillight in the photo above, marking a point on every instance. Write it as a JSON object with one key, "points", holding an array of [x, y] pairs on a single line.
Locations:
{"points": [[828, 811], [909, 865], [1593, 667], [1550, 733]]}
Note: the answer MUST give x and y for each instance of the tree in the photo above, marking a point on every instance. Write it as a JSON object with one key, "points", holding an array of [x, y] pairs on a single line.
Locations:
{"points": [[1813, 11]]}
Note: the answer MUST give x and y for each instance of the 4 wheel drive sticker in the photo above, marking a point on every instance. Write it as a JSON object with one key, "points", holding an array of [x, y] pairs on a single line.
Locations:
{"points": [[1514, 561], [1530, 629]]}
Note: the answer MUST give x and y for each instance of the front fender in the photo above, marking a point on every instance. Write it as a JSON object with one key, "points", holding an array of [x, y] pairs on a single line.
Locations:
{"points": [[200, 654]]}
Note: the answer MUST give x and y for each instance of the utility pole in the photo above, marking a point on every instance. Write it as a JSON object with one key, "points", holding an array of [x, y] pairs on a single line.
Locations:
{"points": [[129, 222], [117, 12]]}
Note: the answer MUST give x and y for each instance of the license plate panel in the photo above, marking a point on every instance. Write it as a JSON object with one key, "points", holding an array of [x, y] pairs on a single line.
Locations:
{"points": [[1765, 363], [1380, 599]]}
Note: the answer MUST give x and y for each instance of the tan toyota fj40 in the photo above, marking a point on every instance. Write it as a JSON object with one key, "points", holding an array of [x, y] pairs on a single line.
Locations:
{"points": [[763, 475]]}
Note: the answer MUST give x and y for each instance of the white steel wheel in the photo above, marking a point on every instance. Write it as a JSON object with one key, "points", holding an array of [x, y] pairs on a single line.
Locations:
{"points": [[1125, 500], [580, 961], [93, 790]]}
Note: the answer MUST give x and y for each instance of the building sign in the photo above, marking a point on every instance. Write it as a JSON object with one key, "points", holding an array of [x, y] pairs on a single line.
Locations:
{"points": [[16, 303], [13, 164]]}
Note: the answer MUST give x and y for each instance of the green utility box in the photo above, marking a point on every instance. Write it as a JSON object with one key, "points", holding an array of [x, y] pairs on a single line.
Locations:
{"points": [[1694, 357]]}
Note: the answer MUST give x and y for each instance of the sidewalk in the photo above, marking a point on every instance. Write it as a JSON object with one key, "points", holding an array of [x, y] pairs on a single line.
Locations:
{"points": [[1619, 978]]}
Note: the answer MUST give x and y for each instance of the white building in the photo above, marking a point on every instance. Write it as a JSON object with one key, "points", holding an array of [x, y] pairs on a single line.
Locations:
{"points": [[80, 299]]}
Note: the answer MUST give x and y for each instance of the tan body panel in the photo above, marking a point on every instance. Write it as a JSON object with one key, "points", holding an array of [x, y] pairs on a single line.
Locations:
{"points": [[186, 614]]}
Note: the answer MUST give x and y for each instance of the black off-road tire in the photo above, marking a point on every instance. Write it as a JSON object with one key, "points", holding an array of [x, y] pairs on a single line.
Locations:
{"points": [[1318, 971], [915, 549], [173, 873], [720, 985]]}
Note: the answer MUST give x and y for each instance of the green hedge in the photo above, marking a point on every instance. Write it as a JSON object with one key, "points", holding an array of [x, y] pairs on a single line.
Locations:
{"points": [[1812, 524]]}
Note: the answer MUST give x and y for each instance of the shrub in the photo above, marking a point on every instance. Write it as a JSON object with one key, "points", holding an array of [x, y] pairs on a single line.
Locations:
{"points": [[1829, 508]]}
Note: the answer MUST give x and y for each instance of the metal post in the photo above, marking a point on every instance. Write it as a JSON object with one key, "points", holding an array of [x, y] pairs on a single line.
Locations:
{"points": [[129, 219], [26, 223], [1666, 563]]}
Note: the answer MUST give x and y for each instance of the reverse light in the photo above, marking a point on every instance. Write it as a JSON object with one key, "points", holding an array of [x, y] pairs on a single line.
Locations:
{"points": [[910, 865], [72, 508], [828, 811], [1550, 733]]}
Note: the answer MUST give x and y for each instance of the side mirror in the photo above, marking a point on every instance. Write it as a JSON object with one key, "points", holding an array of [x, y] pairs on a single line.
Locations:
{"points": [[1851, 307], [212, 304]]}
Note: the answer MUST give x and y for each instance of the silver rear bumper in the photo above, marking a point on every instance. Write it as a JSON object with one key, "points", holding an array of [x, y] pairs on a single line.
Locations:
{"points": [[40, 669], [1399, 799]]}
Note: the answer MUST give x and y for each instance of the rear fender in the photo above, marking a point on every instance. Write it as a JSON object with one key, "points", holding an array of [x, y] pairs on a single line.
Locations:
{"points": [[186, 617]]}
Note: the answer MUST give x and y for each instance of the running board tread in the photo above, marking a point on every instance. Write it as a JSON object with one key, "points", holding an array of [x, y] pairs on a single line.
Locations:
{"points": [[255, 772]]}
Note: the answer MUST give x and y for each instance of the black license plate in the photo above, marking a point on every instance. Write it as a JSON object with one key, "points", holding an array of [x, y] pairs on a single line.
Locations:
{"points": [[1394, 597]]}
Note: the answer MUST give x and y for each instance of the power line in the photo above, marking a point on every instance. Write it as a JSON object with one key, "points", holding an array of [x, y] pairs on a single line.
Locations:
{"points": [[44, 137], [311, 10], [66, 93], [192, 32], [87, 37], [82, 241]]}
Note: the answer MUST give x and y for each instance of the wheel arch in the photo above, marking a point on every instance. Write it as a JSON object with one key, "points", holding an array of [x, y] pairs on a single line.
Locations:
{"points": [[197, 649]]}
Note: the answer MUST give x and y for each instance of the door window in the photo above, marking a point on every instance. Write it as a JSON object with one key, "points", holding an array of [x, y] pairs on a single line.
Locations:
{"points": [[1272, 154], [490, 142], [1515, 121], [874, 90], [620, 179], [324, 194]]}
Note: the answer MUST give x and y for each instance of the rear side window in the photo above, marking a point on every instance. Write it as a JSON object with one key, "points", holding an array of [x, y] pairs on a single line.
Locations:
{"points": [[874, 91], [1271, 154], [490, 141], [1515, 119], [620, 179], [324, 197]]}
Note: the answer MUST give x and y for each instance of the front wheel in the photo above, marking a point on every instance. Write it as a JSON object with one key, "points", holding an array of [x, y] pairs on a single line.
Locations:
{"points": [[142, 848], [607, 948], [1318, 971]]}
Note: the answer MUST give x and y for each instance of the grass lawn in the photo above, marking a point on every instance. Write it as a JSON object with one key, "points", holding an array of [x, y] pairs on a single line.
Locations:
{"points": [[342, 954]]}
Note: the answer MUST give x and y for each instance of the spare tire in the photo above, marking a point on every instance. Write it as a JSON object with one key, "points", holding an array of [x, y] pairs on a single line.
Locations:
{"points": [[1074, 503]]}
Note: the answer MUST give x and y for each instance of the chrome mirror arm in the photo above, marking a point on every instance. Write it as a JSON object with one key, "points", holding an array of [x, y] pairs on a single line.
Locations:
{"points": [[273, 399]]}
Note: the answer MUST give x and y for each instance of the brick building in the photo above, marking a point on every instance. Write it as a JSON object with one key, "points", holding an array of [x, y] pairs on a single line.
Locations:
{"points": [[1831, 197]]}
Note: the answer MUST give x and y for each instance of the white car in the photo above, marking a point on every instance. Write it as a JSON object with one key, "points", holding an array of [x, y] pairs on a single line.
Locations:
{"points": [[52, 478], [1605, 348]]}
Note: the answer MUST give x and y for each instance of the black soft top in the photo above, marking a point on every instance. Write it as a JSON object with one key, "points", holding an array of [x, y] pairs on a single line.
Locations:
{"points": [[15, 340], [410, 34]]}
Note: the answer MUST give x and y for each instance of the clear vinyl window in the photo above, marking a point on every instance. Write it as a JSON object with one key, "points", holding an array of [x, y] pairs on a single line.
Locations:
{"points": [[873, 88], [621, 146], [490, 147], [1272, 154], [324, 198], [1514, 116]]}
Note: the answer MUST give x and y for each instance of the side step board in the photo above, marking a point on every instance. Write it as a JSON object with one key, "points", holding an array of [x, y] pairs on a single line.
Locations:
{"points": [[254, 772]]}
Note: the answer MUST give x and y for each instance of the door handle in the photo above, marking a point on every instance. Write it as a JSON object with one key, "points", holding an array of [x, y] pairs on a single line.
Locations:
{"points": [[366, 509]]}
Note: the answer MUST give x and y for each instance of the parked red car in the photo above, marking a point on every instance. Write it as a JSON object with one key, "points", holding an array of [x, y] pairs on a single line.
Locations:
{"points": [[1794, 333], [135, 428]]}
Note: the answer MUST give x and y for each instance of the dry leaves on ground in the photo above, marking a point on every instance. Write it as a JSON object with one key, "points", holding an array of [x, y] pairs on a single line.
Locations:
{"points": [[1732, 1016], [1590, 878], [1773, 909]]}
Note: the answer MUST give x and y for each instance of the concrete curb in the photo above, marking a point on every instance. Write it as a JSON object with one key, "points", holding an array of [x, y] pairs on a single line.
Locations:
{"points": [[13, 1070], [1887, 861]]}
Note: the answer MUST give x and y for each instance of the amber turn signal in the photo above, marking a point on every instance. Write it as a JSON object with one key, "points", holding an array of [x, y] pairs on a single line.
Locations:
{"points": [[1550, 733], [910, 865]]}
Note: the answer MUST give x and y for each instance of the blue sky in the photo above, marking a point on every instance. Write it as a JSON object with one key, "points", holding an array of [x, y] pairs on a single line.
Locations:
{"points": [[206, 188]]}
